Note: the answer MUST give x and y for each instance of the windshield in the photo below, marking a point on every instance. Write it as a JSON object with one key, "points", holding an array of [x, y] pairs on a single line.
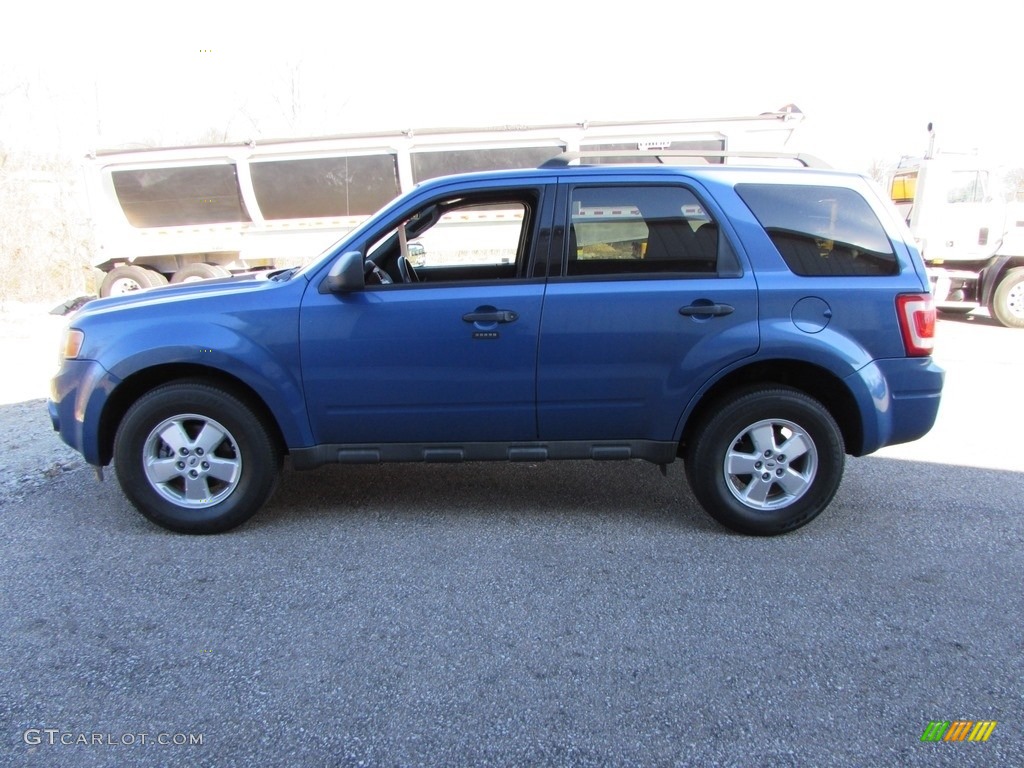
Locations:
{"points": [[354, 236]]}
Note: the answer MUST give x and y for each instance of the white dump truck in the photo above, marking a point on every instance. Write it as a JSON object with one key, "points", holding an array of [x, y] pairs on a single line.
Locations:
{"points": [[189, 213]]}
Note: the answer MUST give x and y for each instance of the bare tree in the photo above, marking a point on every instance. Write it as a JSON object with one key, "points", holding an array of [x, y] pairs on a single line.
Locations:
{"points": [[880, 170], [288, 96], [1014, 181], [44, 238]]}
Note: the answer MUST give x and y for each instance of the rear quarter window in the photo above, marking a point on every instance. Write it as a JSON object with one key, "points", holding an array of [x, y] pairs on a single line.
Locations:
{"points": [[822, 231]]}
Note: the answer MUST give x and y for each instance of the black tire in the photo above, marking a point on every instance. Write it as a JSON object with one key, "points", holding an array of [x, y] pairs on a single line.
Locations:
{"points": [[1007, 306], [780, 493], [202, 271], [161, 441], [129, 278]]}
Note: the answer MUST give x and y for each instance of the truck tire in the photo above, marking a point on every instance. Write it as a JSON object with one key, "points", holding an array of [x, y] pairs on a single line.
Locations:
{"points": [[193, 458], [128, 278], [191, 273], [1007, 306], [766, 461]]}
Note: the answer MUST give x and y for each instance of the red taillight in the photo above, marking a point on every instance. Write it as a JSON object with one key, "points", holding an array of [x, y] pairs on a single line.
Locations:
{"points": [[917, 322]]}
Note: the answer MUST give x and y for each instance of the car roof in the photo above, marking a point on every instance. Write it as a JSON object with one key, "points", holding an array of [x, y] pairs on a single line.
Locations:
{"points": [[713, 172]]}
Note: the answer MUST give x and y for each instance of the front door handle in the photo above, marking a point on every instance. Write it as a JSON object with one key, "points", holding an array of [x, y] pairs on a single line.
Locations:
{"points": [[710, 310], [492, 316]]}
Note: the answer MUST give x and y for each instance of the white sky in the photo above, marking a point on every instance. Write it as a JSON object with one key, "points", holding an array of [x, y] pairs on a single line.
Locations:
{"points": [[869, 75]]}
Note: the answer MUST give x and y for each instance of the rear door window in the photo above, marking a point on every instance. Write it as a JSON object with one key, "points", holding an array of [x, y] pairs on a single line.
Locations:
{"points": [[644, 231]]}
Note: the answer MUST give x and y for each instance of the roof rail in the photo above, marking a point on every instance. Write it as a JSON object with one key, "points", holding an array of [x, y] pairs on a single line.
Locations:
{"points": [[564, 159]]}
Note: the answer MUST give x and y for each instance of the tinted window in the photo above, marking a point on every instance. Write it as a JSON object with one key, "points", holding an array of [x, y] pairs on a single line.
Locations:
{"points": [[429, 165], [171, 197], [821, 230], [325, 186], [640, 230]]}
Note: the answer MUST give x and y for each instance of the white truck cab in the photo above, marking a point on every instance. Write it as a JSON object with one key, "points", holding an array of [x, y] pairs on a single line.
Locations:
{"points": [[970, 230]]}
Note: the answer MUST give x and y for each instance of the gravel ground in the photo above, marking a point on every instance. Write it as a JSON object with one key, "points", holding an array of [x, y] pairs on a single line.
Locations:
{"points": [[32, 452], [569, 613]]}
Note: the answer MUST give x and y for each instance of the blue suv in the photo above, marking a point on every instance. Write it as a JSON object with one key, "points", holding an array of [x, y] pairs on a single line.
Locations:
{"points": [[759, 323]]}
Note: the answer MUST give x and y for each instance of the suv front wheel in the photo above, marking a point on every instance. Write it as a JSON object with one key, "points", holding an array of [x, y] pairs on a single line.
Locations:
{"points": [[767, 461], [195, 459]]}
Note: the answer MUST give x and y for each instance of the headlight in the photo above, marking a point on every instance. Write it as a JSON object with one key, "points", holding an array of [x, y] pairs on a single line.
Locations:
{"points": [[72, 344]]}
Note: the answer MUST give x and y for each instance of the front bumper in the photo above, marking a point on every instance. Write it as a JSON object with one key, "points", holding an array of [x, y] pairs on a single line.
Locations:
{"points": [[78, 394]]}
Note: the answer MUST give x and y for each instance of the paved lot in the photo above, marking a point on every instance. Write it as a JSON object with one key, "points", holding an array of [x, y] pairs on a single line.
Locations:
{"points": [[559, 614]]}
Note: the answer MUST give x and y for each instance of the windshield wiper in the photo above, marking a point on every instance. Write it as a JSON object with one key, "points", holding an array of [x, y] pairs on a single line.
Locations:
{"points": [[283, 274]]}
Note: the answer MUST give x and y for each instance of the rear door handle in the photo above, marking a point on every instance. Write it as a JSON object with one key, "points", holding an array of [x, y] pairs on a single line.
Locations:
{"points": [[493, 316], [710, 310]]}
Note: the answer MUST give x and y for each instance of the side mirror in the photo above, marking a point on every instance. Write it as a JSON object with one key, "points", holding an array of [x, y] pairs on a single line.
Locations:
{"points": [[346, 274]]}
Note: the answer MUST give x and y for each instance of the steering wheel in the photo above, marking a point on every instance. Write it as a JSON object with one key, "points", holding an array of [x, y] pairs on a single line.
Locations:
{"points": [[405, 269]]}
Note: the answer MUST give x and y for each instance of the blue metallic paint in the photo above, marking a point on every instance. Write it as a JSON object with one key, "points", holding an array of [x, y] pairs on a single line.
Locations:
{"points": [[402, 366], [600, 374], [248, 330]]}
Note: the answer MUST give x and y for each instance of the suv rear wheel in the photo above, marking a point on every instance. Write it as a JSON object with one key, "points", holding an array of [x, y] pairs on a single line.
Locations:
{"points": [[767, 461], [195, 459]]}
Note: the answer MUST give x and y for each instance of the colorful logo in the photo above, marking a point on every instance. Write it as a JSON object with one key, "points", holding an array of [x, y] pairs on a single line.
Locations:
{"points": [[958, 730]]}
